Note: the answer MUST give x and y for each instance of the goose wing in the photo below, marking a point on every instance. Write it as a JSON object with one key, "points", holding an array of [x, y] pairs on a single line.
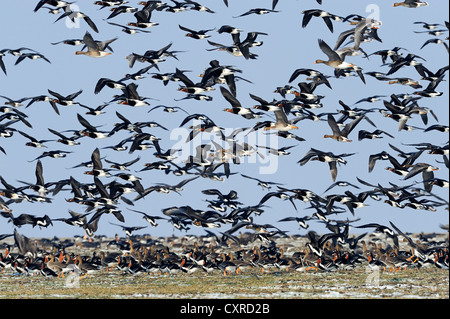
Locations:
{"points": [[89, 41], [332, 55], [333, 125]]}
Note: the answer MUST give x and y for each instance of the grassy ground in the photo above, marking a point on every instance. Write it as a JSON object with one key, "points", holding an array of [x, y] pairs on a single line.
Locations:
{"points": [[429, 283]]}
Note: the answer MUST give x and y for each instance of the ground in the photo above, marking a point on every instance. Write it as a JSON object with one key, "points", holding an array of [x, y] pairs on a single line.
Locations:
{"points": [[431, 283], [361, 282]]}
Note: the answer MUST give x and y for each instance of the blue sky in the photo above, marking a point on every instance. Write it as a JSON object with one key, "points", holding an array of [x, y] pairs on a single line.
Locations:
{"points": [[287, 47]]}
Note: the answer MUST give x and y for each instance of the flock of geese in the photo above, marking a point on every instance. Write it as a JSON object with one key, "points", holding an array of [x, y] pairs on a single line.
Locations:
{"points": [[115, 187], [211, 255]]}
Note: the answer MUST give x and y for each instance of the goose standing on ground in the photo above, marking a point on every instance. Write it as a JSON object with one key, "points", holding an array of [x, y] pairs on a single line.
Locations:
{"points": [[86, 268], [55, 266]]}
